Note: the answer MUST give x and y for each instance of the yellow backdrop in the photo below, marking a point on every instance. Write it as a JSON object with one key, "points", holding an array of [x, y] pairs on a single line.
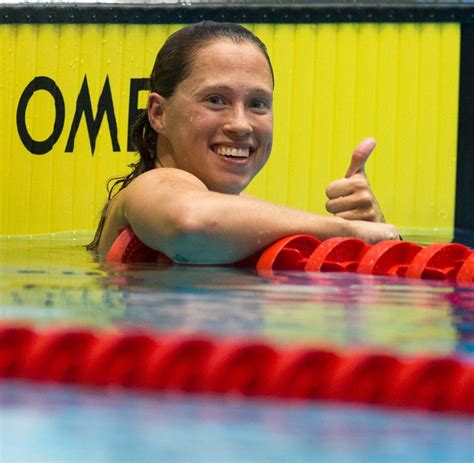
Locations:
{"points": [[335, 84]]}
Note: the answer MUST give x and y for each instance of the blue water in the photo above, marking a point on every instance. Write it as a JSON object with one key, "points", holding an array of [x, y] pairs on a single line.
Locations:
{"points": [[51, 282], [66, 424]]}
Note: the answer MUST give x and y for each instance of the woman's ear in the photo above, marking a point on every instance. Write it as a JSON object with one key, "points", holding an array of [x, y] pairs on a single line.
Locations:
{"points": [[156, 109]]}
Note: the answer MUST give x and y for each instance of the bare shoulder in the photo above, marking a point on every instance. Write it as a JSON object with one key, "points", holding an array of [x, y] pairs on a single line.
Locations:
{"points": [[143, 194], [165, 177]]}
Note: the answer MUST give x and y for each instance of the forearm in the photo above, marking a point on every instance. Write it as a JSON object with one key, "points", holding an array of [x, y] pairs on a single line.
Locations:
{"points": [[211, 228], [173, 212]]}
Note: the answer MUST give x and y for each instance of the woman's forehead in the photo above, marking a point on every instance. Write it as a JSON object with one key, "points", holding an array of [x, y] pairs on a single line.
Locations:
{"points": [[228, 59]]}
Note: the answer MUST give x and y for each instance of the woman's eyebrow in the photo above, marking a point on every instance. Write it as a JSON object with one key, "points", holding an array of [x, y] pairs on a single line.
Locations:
{"points": [[227, 89]]}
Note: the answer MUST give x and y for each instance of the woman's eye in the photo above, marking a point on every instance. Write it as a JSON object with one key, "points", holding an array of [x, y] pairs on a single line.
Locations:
{"points": [[259, 104], [215, 100]]}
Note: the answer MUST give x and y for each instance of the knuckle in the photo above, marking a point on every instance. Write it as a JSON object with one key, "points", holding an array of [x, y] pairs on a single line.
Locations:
{"points": [[366, 197], [330, 191], [391, 232], [359, 182], [372, 214]]}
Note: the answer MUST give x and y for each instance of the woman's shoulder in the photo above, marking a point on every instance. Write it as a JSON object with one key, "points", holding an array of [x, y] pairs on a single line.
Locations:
{"points": [[153, 187], [162, 177], [165, 174]]}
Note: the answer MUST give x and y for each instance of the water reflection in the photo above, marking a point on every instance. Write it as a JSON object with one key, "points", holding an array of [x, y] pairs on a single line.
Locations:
{"points": [[48, 283]]}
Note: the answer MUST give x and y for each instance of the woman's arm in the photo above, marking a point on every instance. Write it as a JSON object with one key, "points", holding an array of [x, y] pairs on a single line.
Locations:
{"points": [[172, 211]]}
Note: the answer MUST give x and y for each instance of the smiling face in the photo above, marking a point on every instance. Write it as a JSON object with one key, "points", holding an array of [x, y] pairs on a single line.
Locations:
{"points": [[218, 125]]}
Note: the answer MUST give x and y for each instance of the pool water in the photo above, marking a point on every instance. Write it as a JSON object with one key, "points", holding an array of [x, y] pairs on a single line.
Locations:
{"points": [[54, 281], [59, 282], [51, 424]]}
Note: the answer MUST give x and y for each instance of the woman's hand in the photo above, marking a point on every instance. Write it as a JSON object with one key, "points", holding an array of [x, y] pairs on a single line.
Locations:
{"points": [[371, 232], [351, 197]]}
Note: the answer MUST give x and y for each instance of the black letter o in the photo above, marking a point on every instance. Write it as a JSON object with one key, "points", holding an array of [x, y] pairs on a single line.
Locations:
{"points": [[40, 83]]}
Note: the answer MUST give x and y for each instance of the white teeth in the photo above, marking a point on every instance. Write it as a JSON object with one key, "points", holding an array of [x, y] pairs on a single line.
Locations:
{"points": [[234, 152]]}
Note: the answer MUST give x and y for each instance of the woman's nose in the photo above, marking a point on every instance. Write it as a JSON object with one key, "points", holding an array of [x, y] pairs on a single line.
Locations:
{"points": [[238, 122]]}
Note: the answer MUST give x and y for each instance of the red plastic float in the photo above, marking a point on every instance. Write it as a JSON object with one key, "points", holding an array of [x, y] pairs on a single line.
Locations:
{"points": [[441, 261], [365, 377], [117, 359], [389, 258], [289, 253], [427, 383], [244, 367], [466, 272], [438, 261], [461, 398], [239, 367], [337, 255], [59, 356], [178, 364], [15, 344], [302, 372]]}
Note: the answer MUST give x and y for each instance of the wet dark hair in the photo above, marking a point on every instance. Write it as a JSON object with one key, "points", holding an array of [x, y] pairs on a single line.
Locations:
{"points": [[172, 65]]}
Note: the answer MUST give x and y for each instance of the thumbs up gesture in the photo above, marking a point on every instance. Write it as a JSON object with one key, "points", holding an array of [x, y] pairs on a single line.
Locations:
{"points": [[351, 197]]}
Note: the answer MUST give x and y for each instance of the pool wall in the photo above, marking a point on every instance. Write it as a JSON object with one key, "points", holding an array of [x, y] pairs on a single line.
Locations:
{"points": [[74, 78]]}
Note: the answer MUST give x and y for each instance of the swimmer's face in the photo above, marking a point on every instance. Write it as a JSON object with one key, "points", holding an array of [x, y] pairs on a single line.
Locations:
{"points": [[218, 125]]}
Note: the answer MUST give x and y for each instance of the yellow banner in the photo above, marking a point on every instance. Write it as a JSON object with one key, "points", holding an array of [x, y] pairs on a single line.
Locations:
{"points": [[69, 94]]}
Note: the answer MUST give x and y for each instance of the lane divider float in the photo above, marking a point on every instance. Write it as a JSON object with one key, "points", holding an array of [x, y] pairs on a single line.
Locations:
{"points": [[243, 367], [439, 261]]}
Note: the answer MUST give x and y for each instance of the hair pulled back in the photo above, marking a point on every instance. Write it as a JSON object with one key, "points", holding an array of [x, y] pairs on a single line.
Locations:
{"points": [[172, 65]]}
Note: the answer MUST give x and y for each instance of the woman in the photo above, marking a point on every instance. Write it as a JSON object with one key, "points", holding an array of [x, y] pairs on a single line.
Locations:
{"points": [[206, 133]]}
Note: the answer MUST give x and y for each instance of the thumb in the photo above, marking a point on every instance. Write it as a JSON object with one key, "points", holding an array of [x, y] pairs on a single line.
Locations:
{"points": [[360, 156]]}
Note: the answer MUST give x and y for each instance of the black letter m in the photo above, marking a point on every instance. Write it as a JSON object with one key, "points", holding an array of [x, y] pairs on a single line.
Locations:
{"points": [[84, 105]]}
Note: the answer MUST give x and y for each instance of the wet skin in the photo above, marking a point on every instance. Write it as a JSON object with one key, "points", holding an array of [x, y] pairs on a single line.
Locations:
{"points": [[225, 103], [214, 135]]}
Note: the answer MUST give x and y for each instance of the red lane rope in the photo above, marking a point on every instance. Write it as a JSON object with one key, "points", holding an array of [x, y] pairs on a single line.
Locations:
{"points": [[243, 367], [439, 261]]}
